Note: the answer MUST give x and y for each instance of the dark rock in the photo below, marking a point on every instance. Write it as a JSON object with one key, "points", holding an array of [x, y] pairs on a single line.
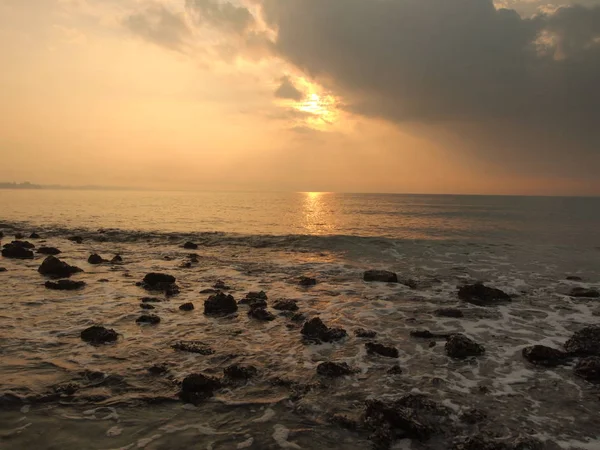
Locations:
{"points": [[589, 369], [432, 344], [544, 356], [96, 259], [54, 267], [146, 306], [410, 283], [390, 421], [34, 236], [194, 258], [584, 293], [261, 314], [103, 280], [481, 295], [220, 304], [238, 372], [158, 278], [344, 422], [198, 387], [383, 276], [48, 251], [315, 330], [67, 389], [99, 335], [209, 291], [222, 286], [187, 307], [585, 342], [23, 244], [151, 300], [17, 252], [473, 416], [307, 281], [160, 282], [285, 305], [460, 346], [298, 317], [190, 246], [3, 269], [158, 369], [19, 236], [574, 278], [76, 239], [193, 347], [334, 370], [149, 319], [375, 348], [116, 259], [64, 285], [362, 333], [251, 297], [426, 334], [395, 370], [477, 443], [449, 312]]}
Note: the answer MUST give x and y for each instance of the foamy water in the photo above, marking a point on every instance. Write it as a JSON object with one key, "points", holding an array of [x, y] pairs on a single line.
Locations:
{"points": [[126, 407]]}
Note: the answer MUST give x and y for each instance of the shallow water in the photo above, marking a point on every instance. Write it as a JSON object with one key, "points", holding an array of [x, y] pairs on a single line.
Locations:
{"points": [[126, 407]]}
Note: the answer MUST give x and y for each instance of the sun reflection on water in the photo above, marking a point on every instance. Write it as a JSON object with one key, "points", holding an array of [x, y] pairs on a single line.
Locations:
{"points": [[318, 218]]}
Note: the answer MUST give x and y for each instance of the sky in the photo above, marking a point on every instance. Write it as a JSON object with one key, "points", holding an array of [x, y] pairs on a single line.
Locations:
{"points": [[407, 96]]}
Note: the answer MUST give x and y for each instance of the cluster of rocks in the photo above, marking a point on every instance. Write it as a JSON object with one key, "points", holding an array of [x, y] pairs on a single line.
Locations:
{"points": [[160, 282]]}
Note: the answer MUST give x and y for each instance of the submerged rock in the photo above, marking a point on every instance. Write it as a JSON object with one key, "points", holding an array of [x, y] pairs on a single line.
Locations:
{"points": [[375, 348], [190, 246], [197, 387], [460, 346], [585, 342], [160, 282], [146, 306], [481, 295], [220, 304], [221, 286], [285, 305], [99, 335], [187, 307], [117, 259], [16, 252], [64, 285], [54, 267], [315, 330], [48, 251], [3, 269], [394, 370], [449, 312], [584, 293], [239, 372], [209, 291], [589, 369], [151, 300], [383, 276], [76, 239], [150, 319], [252, 297], [261, 313], [158, 369], [19, 235], [334, 370], [193, 347], [574, 278], [426, 334], [96, 259], [544, 356], [362, 333], [307, 281], [34, 236]]}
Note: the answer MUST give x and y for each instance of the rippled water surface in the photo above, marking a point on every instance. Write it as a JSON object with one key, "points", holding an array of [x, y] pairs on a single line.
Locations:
{"points": [[524, 246]]}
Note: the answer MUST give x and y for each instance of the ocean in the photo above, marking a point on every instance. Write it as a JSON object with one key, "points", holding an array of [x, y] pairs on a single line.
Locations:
{"points": [[57, 391]]}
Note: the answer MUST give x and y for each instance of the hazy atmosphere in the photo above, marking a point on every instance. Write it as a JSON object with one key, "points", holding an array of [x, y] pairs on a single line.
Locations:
{"points": [[431, 96]]}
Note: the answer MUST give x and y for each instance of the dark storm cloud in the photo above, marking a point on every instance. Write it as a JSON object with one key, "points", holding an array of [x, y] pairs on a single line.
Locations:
{"points": [[159, 25], [440, 62], [287, 90], [222, 15]]}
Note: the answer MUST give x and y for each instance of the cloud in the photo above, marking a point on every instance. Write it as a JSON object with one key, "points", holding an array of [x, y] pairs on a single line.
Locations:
{"points": [[522, 89], [287, 90], [161, 26], [222, 15]]}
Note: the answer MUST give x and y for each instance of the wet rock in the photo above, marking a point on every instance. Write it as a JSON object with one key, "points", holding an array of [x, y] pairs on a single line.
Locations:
{"points": [[64, 285], [197, 387], [449, 312], [19, 236], [150, 319], [76, 239], [481, 295], [589, 369], [194, 258], [103, 280], [261, 314], [158, 369], [426, 334], [574, 278], [334, 370], [410, 283], [473, 416], [190, 246], [34, 236], [285, 305], [117, 259], [220, 304], [239, 372], [193, 347], [315, 330], [459, 346], [209, 291], [54, 267], [187, 307], [147, 306], [222, 286], [541, 355], [390, 421], [580, 292], [151, 300], [344, 422], [160, 282], [99, 335], [3, 269], [49, 251], [24, 244], [383, 276], [394, 370], [254, 303], [96, 259], [375, 348], [252, 297], [477, 443], [16, 252], [362, 333], [298, 317], [585, 342], [307, 281], [432, 344], [67, 389]]}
